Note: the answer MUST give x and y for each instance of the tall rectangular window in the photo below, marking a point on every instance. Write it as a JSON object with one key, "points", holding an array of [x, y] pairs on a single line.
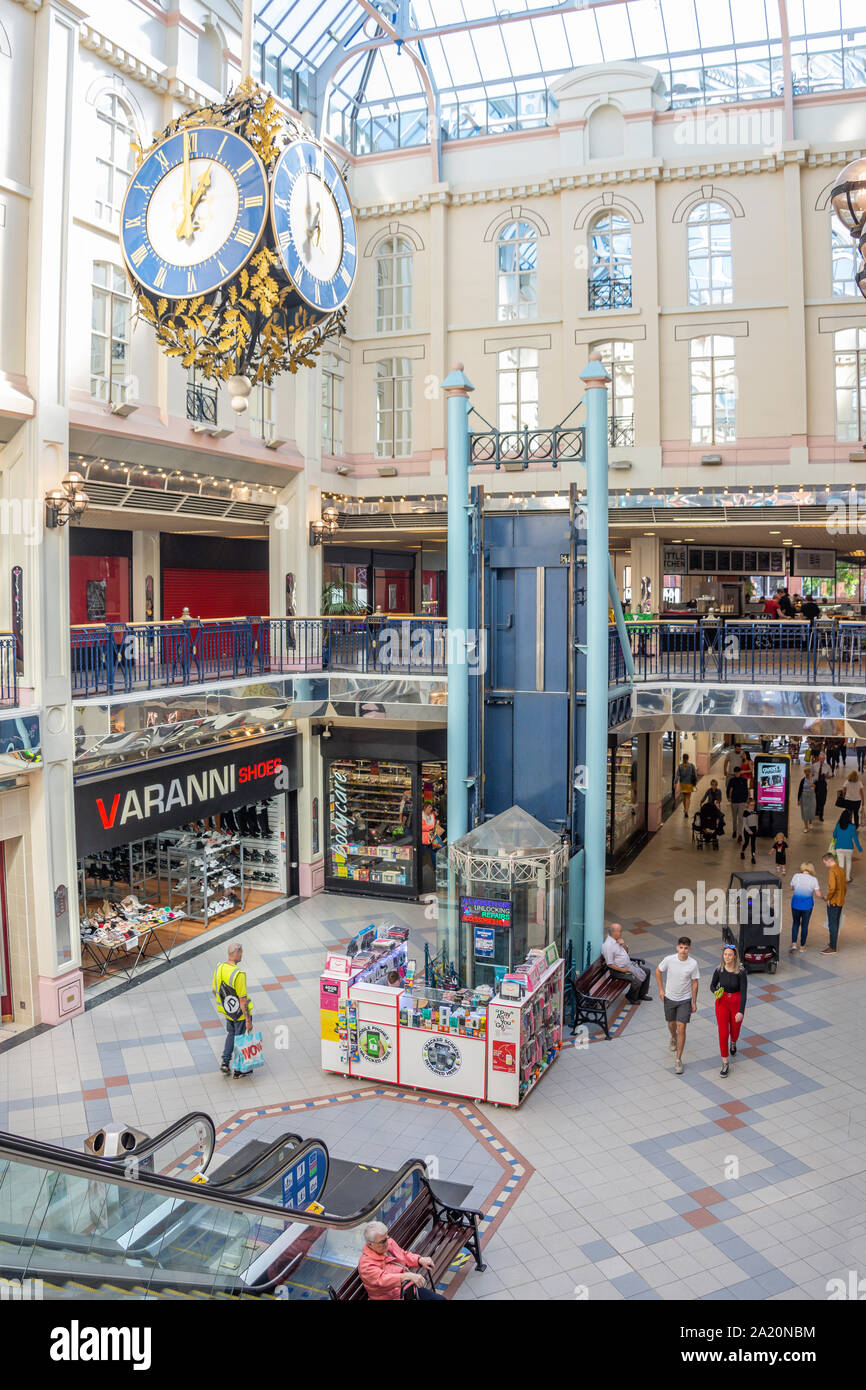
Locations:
{"points": [[394, 408], [845, 258], [618, 359], [850, 371], [713, 390], [710, 263], [114, 160], [263, 416], [517, 388], [332, 404], [517, 272], [394, 285], [109, 333]]}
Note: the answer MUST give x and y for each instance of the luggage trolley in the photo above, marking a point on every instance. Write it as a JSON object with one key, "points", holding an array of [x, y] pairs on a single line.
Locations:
{"points": [[758, 916]]}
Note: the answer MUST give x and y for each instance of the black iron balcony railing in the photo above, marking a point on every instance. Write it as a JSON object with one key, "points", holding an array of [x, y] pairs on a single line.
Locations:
{"points": [[609, 293], [201, 403], [527, 447], [620, 431]]}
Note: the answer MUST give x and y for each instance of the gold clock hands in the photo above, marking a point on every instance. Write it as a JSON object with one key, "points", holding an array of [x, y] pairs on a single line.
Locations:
{"points": [[201, 187], [185, 225]]}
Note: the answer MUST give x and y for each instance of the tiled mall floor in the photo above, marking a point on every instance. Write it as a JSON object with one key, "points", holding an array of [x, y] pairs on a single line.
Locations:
{"points": [[617, 1179]]}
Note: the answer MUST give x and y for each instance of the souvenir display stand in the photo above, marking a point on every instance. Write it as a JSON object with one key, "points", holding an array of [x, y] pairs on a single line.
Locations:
{"points": [[470, 1043]]}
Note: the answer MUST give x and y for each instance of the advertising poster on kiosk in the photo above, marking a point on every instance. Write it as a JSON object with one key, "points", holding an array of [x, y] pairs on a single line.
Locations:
{"points": [[772, 790]]}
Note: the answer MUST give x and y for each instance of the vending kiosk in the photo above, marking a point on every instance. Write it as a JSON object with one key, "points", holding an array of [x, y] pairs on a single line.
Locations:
{"points": [[772, 792]]}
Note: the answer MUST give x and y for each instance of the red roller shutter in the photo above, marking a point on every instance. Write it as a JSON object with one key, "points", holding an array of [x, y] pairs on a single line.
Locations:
{"points": [[215, 593]]}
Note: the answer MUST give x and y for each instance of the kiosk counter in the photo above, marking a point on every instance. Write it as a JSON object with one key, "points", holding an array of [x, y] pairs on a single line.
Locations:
{"points": [[379, 1025]]}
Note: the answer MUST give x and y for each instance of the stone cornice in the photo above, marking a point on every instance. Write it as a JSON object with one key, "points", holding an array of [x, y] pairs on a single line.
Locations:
{"points": [[157, 79], [649, 171]]}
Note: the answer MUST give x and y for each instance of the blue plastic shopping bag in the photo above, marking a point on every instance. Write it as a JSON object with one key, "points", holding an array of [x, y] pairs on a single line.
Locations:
{"points": [[248, 1052]]}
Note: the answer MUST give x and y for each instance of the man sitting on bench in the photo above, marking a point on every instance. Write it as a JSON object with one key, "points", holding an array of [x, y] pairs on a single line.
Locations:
{"points": [[385, 1269], [620, 963]]}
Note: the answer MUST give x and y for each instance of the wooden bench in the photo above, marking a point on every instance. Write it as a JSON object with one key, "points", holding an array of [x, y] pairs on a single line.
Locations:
{"points": [[598, 995], [427, 1227]]}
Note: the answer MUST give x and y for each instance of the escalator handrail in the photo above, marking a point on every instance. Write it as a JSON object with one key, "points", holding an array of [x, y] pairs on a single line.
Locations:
{"points": [[37, 1153], [254, 1163], [151, 1146], [297, 1155]]}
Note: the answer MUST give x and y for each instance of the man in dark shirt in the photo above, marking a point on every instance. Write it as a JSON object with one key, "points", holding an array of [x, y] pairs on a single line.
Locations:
{"points": [[737, 792], [786, 607], [811, 611]]}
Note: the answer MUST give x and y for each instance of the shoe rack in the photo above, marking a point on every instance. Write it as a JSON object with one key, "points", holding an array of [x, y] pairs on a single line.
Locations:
{"points": [[117, 873], [193, 869], [264, 863]]}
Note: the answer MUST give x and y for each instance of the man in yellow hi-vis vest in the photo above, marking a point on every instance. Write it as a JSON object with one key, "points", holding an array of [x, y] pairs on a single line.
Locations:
{"points": [[230, 990]]}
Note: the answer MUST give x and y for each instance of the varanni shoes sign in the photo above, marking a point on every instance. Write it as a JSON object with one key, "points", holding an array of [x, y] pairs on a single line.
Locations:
{"points": [[114, 810]]}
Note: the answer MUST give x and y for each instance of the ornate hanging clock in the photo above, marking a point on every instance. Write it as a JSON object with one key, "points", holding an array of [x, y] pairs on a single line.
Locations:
{"points": [[194, 212], [313, 225], [239, 238]]}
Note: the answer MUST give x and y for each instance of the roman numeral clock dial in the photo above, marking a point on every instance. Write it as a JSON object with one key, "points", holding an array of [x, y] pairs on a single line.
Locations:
{"points": [[313, 226], [194, 213]]}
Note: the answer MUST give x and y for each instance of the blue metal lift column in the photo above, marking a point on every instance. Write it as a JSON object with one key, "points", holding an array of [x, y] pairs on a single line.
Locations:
{"points": [[595, 380], [457, 387]]}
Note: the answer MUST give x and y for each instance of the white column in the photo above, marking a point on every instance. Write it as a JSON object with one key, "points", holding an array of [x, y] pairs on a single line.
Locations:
{"points": [[46, 455], [145, 565]]}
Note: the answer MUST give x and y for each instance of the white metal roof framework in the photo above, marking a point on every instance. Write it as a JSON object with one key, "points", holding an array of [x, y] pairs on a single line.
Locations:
{"points": [[383, 73]]}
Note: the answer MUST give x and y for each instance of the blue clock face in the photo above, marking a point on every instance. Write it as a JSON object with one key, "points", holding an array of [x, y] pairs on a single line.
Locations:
{"points": [[314, 227], [194, 212]]}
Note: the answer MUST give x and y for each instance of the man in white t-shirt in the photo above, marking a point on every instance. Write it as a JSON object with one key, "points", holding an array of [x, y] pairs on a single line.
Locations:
{"points": [[619, 962], [679, 992]]}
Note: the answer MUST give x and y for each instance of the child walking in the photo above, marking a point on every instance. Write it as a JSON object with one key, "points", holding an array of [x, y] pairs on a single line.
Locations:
{"points": [[780, 851]]}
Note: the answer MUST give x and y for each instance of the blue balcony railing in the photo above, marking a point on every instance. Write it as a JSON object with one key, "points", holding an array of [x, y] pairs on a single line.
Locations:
{"points": [[110, 658], [741, 651], [8, 672]]}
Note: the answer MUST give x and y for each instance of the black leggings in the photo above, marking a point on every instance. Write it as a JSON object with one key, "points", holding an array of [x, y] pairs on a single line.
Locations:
{"points": [[750, 838]]}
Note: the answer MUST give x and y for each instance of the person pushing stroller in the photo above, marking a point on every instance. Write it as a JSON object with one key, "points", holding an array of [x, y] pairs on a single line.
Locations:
{"points": [[709, 824]]}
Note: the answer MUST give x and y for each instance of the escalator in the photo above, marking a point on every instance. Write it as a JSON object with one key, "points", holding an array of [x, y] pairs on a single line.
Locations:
{"points": [[109, 1228]]}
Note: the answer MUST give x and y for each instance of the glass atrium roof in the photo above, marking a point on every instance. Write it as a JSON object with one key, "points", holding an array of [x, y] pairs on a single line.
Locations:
{"points": [[495, 59]]}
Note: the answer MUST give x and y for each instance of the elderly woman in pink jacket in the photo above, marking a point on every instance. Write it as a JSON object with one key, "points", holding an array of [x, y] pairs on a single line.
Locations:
{"points": [[384, 1268]]}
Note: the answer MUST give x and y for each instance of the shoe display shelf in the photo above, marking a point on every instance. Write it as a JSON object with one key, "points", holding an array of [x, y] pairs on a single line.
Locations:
{"points": [[193, 875], [263, 866], [122, 871]]}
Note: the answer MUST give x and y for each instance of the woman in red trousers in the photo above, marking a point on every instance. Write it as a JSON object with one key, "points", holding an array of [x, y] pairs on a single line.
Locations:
{"points": [[730, 984]]}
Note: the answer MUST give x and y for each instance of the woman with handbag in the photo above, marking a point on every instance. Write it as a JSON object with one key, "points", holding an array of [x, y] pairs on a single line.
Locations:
{"points": [[730, 985], [852, 794], [845, 841]]}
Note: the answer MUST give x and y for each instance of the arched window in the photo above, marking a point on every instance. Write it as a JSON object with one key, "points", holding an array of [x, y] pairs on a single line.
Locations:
{"points": [[610, 262], [845, 258], [263, 412], [393, 285], [517, 388], [850, 368], [114, 160], [618, 359], [713, 390], [210, 57], [109, 333], [332, 404], [517, 271], [394, 408], [711, 279]]}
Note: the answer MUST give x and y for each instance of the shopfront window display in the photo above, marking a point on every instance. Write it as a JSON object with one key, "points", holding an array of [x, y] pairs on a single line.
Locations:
{"points": [[386, 825]]}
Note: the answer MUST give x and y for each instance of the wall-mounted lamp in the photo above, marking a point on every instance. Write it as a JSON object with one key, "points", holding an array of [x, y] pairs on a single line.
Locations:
{"points": [[323, 530], [66, 503], [320, 730]]}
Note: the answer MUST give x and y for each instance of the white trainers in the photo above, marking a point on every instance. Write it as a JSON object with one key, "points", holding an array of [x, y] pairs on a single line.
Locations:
{"points": [[678, 1068], [791, 948], [673, 1044]]}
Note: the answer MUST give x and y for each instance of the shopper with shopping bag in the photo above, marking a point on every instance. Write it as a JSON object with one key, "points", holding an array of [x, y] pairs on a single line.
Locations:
{"points": [[232, 1001]]}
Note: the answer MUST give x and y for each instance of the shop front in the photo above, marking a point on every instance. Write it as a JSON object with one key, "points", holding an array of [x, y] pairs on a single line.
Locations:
{"points": [[386, 811], [167, 851], [627, 793]]}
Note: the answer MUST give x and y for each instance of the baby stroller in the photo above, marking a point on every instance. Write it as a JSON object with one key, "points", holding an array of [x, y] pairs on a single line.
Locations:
{"points": [[755, 919], [708, 823]]}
